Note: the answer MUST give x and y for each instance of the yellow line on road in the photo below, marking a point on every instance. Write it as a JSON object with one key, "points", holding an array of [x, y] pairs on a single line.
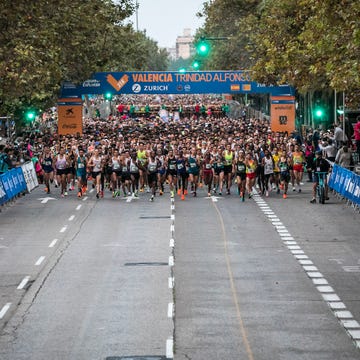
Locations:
{"points": [[233, 289]]}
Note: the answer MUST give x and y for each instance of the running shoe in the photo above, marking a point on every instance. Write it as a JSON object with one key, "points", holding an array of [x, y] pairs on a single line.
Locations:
{"points": [[194, 194], [172, 194], [220, 193], [182, 197], [201, 184], [161, 192], [66, 193], [46, 189], [313, 201], [72, 188], [243, 198], [284, 196], [141, 189], [101, 193], [79, 194], [267, 194], [299, 190], [228, 192], [294, 188], [179, 192], [129, 193], [136, 194], [97, 195], [282, 186], [209, 194], [152, 198], [114, 194], [62, 195], [185, 192], [278, 191], [93, 186]]}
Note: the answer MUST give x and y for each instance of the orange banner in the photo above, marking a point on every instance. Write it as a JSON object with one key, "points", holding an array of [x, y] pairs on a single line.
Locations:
{"points": [[282, 113], [70, 113]]}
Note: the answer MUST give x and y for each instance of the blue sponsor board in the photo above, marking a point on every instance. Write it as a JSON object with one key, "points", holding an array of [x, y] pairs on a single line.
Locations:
{"points": [[171, 82], [345, 183], [12, 183]]}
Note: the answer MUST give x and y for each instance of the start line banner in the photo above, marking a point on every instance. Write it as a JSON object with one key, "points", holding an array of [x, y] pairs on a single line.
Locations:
{"points": [[173, 82], [346, 183]]}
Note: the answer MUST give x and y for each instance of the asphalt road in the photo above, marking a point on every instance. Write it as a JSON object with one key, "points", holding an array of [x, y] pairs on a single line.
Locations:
{"points": [[265, 279]]}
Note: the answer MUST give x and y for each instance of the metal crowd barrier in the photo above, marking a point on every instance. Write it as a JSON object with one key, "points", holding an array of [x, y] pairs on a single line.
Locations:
{"points": [[17, 181]]}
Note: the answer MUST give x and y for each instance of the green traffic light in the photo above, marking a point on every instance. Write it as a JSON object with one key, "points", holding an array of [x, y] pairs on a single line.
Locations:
{"points": [[203, 48], [319, 113], [196, 65], [182, 70], [108, 96], [30, 115]]}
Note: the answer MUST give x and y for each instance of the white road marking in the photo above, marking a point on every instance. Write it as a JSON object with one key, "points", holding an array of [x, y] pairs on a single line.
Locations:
{"points": [[325, 289], [301, 257], [40, 260], [23, 282], [294, 247], [337, 305], [170, 310], [172, 217], [172, 243], [350, 324], [306, 262], [172, 228], [45, 200], [343, 314], [330, 297], [314, 274], [72, 217], [320, 281], [63, 229], [78, 207], [4, 310], [296, 252], [171, 261], [355, 334], [52, 244], [91, 191], [171, 282], [85, 198], [172, 207], [169, 348], [310, 268], [290, 242]]}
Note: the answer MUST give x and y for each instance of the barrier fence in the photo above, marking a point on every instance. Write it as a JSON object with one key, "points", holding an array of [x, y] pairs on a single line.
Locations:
{"points": [[17, 181], [346, 183]]}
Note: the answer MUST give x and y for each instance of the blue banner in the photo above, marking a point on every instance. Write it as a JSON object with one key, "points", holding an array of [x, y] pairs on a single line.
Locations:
{"points": [[345, 183], [12, 183], [173, 82]]}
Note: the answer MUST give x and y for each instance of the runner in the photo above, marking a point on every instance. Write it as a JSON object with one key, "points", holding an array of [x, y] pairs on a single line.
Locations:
{"points": [[181, 174], [218, 171], [284, 165], [298, 161], [207, 171], [268, 165], [240, 168], [115, 163], [46, 161], [251, 165], [60, 166], [193, 162], [152, 165], [171, 172], [80, 164], [125, 173], [228, 156], [96, 163]]}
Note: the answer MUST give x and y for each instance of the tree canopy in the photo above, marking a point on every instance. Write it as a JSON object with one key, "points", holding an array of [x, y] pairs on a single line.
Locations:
{"points": [[46, 42], [310, 44]]}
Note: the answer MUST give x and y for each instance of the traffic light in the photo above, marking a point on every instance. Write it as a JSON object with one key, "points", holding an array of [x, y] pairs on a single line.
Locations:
{"points": [[196, 65], [30, 115], [319, 113], [182, 70], [203, 48], [108, 96]]}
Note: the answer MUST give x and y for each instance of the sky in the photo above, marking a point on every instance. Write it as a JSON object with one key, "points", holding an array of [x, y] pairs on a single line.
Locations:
{"points": [[164, 20]]}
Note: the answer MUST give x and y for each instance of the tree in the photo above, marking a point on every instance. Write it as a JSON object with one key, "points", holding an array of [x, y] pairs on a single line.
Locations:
{"points": [[46, 42]]}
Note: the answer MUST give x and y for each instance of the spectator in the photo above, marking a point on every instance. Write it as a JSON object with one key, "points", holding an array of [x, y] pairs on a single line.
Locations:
{"points": [[330, 150], [357, 137], [340, 137], [344, 158]]}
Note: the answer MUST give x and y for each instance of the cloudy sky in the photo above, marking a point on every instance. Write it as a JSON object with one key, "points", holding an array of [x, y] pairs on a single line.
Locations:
{"points": [[164, 20]]}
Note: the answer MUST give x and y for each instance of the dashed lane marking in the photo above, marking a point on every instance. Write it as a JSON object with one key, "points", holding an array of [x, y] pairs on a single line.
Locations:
{"points": [[328, 294], [23, 283], [72, 217], [40, 260], [53, 243], [78, 207], [4, 310]]}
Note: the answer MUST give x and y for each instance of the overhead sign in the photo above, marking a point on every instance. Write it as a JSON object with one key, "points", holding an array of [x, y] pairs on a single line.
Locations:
{"points": [[70, 116], [172, 82], [282, 113]]}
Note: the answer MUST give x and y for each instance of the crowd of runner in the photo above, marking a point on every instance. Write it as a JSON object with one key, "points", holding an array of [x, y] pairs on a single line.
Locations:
{"points": [[124, 156]]}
